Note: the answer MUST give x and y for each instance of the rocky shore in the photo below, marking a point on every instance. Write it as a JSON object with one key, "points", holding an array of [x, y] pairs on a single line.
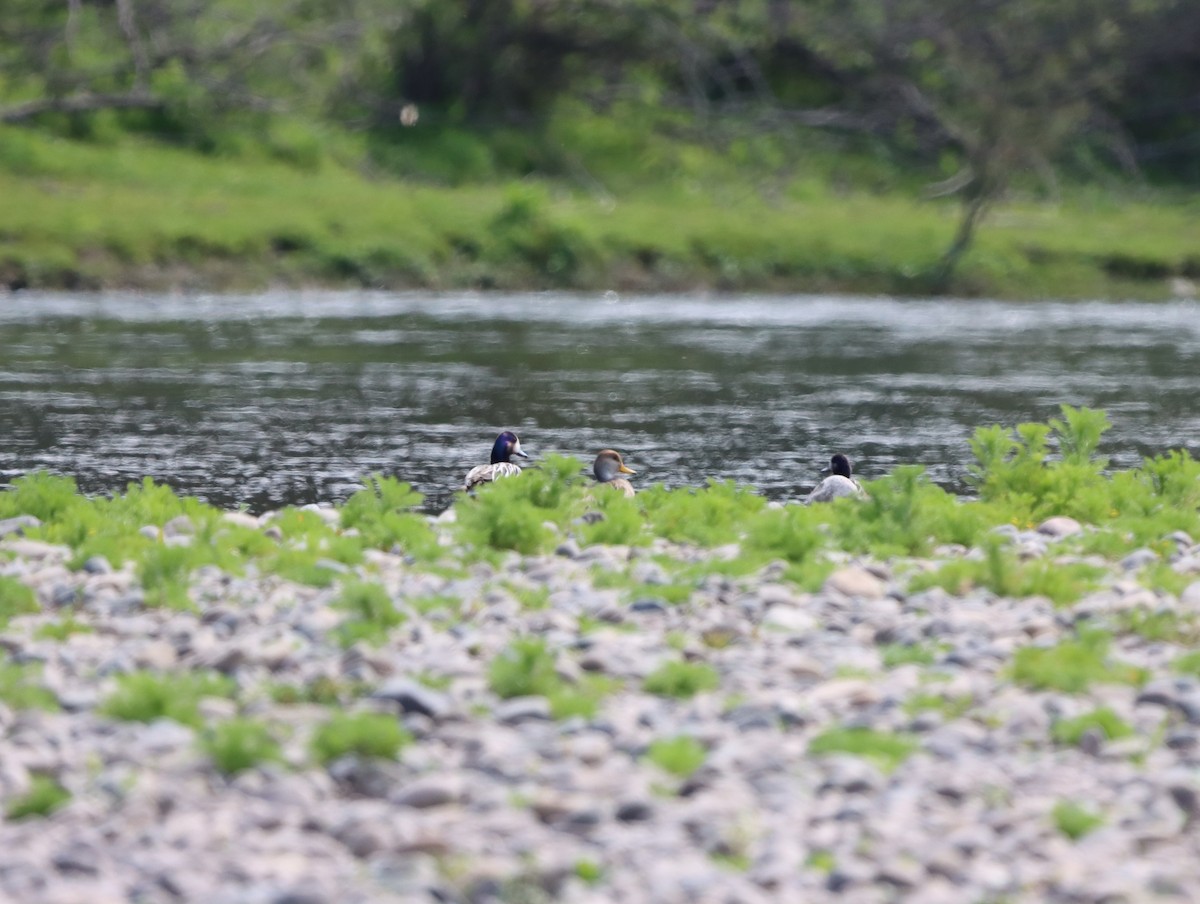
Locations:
{"points": [[964, 788]]}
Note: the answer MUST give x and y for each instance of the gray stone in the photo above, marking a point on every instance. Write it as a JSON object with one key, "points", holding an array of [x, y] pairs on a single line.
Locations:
{"points": [[97, 565], [414, 697], [856, 582], [18, 525], [1139, 559], [634, 811], [429, 791], [1060, 526], [1191, 595], [523, 709]]}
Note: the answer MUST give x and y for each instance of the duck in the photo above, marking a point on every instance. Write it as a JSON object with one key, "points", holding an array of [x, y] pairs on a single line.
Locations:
{"points": [[839, 483], [506, 446], [607, 466]]}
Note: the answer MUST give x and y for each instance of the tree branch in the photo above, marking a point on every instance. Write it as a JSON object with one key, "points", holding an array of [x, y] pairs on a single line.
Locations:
{"points": [[79, 103]]}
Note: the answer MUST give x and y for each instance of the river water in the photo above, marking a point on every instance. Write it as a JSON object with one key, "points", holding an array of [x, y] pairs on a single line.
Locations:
{"points": [[291, 397]]}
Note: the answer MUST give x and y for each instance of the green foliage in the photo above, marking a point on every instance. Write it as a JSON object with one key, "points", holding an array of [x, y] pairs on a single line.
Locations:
{"points": [[522, 669], [679, 756], [45, 496], [372, 613], [62, 629], [950, 707], [710, 516], [911, 654], [621, 524], [20, 690], [382, 513], [362, 734], [1073, 820], [43, 797], [1001, 572], [1073, 665], [581, 699], [147, 696], [1104, 720], [15, 599], [589, 871], [886, 749], [1187, 664], [792, 534], [681, 679], [164, 572], [240, 744], [512, 513], [1016, 470], [322, 690]]}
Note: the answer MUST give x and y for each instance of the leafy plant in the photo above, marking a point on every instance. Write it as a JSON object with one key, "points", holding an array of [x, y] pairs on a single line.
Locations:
{"points": [[1073, 820], [382, 514], [679, 756], [372, 613], [147, 696], [240, 744], [620, 521], [681, 679], [887, 749], [1073, 665], [1104, 720], [363, 734], [1004, 575], [15, 599], [62, 629], [709, 516], [524, 668], [20, 690], [43, 797]]}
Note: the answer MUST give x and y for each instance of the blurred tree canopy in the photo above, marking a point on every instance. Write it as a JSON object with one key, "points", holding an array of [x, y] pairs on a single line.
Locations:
{"points": [[986, 89]]}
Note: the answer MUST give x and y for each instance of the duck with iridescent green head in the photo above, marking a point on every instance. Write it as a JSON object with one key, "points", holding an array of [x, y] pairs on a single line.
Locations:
{"points": [[608, 466], [506, 446]]}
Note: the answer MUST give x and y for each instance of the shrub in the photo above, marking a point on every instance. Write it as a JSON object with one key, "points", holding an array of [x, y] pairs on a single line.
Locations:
{"points": [[710, 516], [381, 513], [363, 734]]}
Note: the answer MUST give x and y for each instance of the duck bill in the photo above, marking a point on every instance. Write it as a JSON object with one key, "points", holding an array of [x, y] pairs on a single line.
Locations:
{"points": [[625, 470], [517, 450]]}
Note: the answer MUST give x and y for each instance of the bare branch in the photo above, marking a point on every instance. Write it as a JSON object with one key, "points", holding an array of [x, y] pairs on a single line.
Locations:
{"points": [[80, 103]]}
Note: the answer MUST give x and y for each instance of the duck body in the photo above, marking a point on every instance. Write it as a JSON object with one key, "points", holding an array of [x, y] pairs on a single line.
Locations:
{"points": [[501, 465], [607, 469], [839, 483]]}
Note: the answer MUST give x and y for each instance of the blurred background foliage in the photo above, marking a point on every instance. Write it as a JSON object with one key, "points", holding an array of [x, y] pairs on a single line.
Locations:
{"points": [[937, 98]]}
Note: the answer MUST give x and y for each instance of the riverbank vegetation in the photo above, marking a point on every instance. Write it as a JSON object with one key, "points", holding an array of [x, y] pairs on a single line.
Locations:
{"points": [[590, 145]]}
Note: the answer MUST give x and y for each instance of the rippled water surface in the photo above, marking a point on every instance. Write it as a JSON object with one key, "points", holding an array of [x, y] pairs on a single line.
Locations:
{"points": [[291, 397]]}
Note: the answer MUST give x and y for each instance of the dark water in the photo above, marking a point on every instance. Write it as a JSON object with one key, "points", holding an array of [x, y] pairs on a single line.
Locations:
{"points": [[289, 398]]}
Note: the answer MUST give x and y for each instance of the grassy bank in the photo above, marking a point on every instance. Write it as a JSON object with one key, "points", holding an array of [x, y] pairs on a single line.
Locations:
{"points": [[131, 213]]}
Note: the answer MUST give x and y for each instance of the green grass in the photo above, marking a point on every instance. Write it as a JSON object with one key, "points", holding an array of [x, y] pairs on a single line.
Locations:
{"points": [[886, 749], [62, 629], [363, 734], [43, 797], [372, 614], [240, 744], [148, 696], [125, 212], [679, 756]]}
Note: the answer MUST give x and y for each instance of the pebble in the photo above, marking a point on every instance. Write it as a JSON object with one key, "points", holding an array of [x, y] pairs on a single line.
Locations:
{"points": [[1060, 526]]}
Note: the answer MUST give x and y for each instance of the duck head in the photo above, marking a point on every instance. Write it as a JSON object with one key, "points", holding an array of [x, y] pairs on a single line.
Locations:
{"points": [[839, 465], [608, 465], [506, 446]]}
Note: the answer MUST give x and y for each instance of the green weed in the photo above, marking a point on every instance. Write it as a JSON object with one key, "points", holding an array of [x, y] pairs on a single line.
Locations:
{"points": [[1001, 572], [911, 654], [681, 679], [20, 690], [43, 797], [621, 521], [372, 614], [710, 516], [886, 749], [1073, 820], [382, 514], [363, 734], [15, 599], [1073, 665], [1187, 664], [1104, 720], [679, 756], [147, 696], [240, 744], [950, 707], [524, 668], [62, 629]]}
